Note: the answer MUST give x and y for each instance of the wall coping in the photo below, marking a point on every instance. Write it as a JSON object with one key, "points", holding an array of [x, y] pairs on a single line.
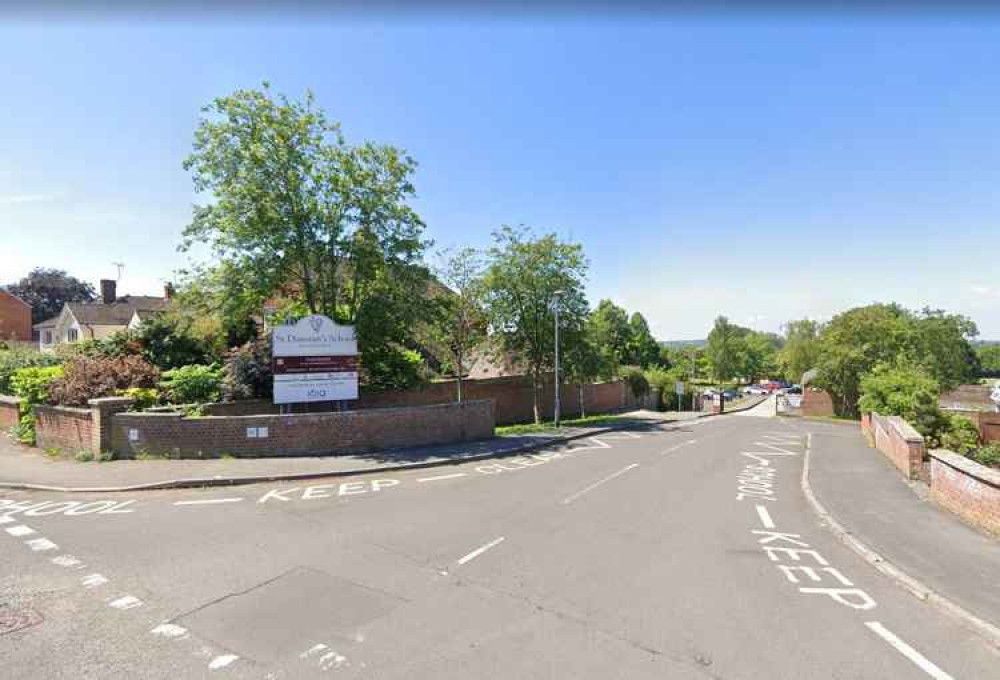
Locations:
{"points": [[968, 466], [7, 399], [63, 409], [278, 416], [903, 428], [111, 401]]}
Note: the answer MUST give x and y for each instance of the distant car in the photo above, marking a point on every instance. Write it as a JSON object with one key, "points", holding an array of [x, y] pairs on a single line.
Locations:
{"points": [[757, 389], [730, 395], [794, 389]]}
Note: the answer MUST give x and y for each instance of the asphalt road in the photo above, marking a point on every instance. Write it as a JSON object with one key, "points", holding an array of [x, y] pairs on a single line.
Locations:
{"points": [[646, 554]]}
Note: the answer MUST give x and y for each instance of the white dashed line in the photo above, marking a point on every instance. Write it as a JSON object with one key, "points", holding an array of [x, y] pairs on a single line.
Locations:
{"points": [[586, 489], [5, 519], [221, 661], [94, 580], [440, 477], [922, 662], [330, 660], [765, 517], [479, 551], [20, 530], [678, 446], [312, 650], [209, 501], [41, 544], [126, 602], [170, 630], [67, 561]]}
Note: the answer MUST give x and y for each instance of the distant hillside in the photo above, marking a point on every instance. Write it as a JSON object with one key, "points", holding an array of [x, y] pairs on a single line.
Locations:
{"points": [[674, 344]]}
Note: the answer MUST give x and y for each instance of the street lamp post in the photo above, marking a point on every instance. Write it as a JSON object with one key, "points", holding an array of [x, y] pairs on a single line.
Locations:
{"points": [[556, 407]]}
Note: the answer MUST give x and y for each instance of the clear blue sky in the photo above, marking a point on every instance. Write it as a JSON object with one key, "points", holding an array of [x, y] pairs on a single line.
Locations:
{"points": [[760, 168]]}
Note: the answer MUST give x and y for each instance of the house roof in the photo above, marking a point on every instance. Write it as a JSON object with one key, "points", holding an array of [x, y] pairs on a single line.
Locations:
{"points": [[3, 291], [118, 313]]}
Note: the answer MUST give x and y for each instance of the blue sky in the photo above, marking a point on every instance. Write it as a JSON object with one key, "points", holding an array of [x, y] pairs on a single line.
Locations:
{"points": [[762, 168]]}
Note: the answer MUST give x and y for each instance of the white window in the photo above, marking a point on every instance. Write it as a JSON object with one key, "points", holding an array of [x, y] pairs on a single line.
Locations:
{"points": [[47, 337], [72, 335]]}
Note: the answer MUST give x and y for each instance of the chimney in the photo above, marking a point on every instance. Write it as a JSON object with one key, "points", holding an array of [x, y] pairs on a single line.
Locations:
{"points": [[168, 290], [108, 291]]}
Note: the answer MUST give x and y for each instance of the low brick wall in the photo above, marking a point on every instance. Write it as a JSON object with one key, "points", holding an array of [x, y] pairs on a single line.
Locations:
{"points": [[897, 439], [966, 488], [989, 426], [300, 434], [10, 413], [816, 402], [70, 430]]}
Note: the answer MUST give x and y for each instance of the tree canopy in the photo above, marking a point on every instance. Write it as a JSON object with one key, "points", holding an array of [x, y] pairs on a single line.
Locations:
{"points": [[47, 290]]}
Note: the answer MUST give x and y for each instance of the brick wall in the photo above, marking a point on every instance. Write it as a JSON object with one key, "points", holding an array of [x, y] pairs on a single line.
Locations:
{"points": [[175, 436], [10, 413], [70, 430], [966, 488], [989, 426], [900, 443], [816, 402], [15, 318], [966, 395]]}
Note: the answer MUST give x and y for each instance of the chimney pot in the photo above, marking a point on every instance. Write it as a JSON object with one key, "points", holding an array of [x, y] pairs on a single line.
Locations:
{"points": [[108, 291], [168, 290]]}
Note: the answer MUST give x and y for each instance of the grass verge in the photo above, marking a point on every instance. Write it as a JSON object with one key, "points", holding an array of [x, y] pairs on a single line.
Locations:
{"points": [[548, 426]]}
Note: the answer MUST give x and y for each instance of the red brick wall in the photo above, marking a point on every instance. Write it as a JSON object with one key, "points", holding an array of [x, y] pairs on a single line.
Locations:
{"points": [[64, 428], [15, 318], [300, 434], [9, 411], [967, 489], [816, 402], [989, 426], [900, 443]]}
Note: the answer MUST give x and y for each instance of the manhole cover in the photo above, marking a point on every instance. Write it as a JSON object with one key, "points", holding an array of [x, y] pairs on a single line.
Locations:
{"points": [[15, 618]]}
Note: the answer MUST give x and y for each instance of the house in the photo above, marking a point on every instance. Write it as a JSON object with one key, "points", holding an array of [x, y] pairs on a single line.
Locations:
{"points": [[15, 318], [99, 319]]}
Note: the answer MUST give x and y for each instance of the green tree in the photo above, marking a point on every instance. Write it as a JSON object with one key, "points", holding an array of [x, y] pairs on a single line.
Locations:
{"points": [[907, 390], [642, 348], [726, 349], [460, 325], [941, 341], [611, 332], [760, 356], [989, 360], [525, 278], [801, 350], [47, 290], [583, 362], [298, 213]]}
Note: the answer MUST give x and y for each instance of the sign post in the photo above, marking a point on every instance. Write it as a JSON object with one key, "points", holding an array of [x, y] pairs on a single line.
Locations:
{"points": [[314, 360], [679, 390]]}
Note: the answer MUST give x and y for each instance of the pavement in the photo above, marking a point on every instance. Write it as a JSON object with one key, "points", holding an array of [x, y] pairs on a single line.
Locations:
{"points": [[684, 552], [866, 494]]}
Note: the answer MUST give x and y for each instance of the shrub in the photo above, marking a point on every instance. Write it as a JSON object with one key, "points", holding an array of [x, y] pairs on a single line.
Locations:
{"points": [[988, 455], [166, 345], [248, 372], [961, 436], [193, 384], [88, 378], [15, 359], [637, 382], [32, 386], [144, 397], [907, 391]]}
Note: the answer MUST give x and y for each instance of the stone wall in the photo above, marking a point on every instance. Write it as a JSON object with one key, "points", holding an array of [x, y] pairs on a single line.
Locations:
{"points": [[897, 439], [966, 488], [300, 434], [10, 414]]}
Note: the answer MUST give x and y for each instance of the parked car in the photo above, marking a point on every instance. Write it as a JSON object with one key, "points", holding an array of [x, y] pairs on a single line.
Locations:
{"points": [[730, 395], [794, 389], [757, 389]]}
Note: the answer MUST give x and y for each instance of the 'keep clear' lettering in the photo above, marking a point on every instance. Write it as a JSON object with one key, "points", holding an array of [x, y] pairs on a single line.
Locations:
{"points": [[311, 493], [757, 478]]}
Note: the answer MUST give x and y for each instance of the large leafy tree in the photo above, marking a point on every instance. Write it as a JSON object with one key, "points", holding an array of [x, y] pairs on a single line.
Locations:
{"points": [[525, 278], [47, 290], [297, 213], [584, 363], [611, 332], [942, 344], [801, 350], [760, 355], [643, 350], [989, 360], [726, 349]]}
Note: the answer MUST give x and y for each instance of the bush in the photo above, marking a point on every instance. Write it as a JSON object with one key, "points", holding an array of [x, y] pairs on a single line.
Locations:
{"points": [[248, 371], [988, 455], [907, 391], [637, 382], [164, 344], [144, 397], [13, 360], [32, 386], [88, 378], [193, 384], [961, 436]]}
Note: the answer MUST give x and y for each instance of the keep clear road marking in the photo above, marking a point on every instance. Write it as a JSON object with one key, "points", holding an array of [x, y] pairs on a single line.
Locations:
{"points": [[221, 661], [440, 477], [479, 551], [909, 652], [570, 499], [209, 501], [678, 446], [765, 517]]}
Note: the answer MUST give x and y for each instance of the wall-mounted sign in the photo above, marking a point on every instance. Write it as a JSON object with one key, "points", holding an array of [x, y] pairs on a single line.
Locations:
{"points": [[314, 360]]}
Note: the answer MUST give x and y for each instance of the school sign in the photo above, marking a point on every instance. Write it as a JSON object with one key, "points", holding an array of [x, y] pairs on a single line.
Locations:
{"points": [[314, 359]]}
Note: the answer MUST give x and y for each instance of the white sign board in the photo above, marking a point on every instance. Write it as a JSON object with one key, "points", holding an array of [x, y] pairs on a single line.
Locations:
{"points": [[314, 336], [679, 388]]}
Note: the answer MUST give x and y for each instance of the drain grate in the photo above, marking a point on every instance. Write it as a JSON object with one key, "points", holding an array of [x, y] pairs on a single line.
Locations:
{"points": [[16, 618]]}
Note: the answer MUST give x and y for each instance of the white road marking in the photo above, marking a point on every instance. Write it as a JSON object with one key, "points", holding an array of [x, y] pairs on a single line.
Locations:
{"points": [[330, 660], [170, 630], [20, 530], [6, 520], [909, 652], [586, 489], [126, 602], [41, 544], [678, 446], [479, 551], [94, 580], [221, 661], [312, 650], [209, 501], [765, 517], [67, 561], [439, 477]]}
